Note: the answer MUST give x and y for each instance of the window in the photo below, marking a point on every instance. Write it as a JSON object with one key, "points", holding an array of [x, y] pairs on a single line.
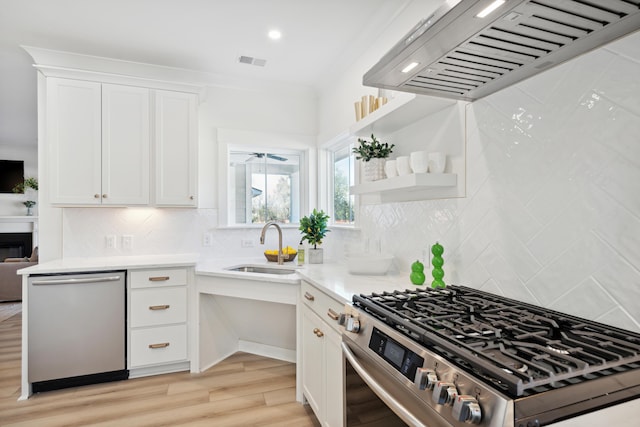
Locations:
{"points": [[264, 186], [343, 178]]}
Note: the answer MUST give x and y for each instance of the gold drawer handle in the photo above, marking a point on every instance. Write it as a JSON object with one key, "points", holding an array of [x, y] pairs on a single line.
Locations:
{"points": [[159, 279], [308, 296], [159, 307], [332, 314], [160, 345], [318, 332]]}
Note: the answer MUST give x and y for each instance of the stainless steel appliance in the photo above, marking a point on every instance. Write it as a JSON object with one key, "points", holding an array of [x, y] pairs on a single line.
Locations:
{"points": [[459, 356], [459, 55], [77, 329]]}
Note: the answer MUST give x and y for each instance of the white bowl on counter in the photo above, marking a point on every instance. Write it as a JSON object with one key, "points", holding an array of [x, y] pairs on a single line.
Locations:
{"points": [[369, 264]]}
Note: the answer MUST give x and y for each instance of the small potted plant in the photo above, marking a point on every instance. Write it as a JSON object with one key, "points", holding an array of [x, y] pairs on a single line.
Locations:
{"points": [[27, 183], [373, 153], [314, 228], [29, 204]]}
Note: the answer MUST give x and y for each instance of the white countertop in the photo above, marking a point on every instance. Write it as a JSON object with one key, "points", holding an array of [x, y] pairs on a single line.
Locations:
{"points": [[332, 277], [74, 265]]}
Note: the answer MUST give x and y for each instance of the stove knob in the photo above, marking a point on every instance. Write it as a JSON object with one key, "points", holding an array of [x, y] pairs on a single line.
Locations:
{"points": [[353, 325], [426, 378], [444, 393], [467, 409]]}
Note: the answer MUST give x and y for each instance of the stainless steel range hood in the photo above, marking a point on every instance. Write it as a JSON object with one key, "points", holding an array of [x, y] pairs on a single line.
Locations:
{"points": [[462, 56]]}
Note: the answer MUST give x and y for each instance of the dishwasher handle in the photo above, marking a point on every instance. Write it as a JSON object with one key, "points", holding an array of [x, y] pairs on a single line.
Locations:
{"points": [[75, 280], [392, 402]]}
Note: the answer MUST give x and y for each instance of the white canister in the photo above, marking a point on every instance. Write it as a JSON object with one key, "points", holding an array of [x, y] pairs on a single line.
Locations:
{"points": [[390, 168], [437, 162], [404, 165], [419, 161]]}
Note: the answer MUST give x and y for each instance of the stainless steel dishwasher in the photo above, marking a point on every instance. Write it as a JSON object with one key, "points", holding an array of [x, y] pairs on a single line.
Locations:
{"points": [[76, 329]]}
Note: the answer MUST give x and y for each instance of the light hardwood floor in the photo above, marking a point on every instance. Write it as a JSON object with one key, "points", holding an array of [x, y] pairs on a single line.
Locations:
{"points": [[243, 390]]}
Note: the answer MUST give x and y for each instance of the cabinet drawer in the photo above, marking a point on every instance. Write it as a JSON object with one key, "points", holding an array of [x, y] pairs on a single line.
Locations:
{"points": [[163, 306], [323, 305], [152, 346], [158, 278]]}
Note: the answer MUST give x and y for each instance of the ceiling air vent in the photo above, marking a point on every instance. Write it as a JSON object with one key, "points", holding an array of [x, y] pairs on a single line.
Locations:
{"points": [[252, 61]]}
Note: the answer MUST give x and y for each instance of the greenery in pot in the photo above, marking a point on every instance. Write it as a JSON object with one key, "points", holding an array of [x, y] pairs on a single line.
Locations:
{"points": [[373, 149], [29, 203], [314, 227], [27, 183]]}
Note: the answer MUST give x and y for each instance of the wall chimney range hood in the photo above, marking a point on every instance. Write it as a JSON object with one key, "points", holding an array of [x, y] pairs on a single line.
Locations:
{"points": [[456, 54]]}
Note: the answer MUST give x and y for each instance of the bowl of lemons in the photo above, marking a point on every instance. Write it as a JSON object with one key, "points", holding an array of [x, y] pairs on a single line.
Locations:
{"points": [[289, 254]]}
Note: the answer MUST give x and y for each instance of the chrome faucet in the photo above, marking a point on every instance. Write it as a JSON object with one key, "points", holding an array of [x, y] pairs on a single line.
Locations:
{"points": [[281, 256]]}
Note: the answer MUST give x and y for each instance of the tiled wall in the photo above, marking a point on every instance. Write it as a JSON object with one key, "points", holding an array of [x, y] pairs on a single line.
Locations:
{"points": [[552, 213]]}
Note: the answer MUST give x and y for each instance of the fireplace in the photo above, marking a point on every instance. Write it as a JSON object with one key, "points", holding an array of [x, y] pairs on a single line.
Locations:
{"points": [[15, 245]]}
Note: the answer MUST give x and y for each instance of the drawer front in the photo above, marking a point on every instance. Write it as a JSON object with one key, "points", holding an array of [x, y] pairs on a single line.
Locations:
{"points": [[151, 307], [323, 305], [152, 346], [158, 278]]}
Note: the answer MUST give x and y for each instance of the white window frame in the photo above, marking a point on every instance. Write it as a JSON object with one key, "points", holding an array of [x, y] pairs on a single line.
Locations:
{"points": [[327, 157], [238, 140]]}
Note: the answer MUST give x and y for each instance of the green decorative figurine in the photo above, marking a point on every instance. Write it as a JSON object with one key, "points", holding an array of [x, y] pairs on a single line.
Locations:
{"points": [[417, 273], [438, 273]]}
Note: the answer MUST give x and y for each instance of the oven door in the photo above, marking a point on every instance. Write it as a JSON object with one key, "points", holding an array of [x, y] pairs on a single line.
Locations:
{"points": [[375, 398]]}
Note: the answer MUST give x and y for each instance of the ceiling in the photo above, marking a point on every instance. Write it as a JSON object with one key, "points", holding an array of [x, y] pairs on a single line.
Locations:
{"points": [[318, 38]]}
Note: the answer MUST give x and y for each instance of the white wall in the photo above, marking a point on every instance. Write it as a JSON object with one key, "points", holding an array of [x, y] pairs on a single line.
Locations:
{"points": [[552, 213]]}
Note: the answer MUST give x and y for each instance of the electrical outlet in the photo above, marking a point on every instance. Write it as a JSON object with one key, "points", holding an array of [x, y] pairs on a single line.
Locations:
{"points": [[246, 243], [110, 241], [127, 242], [207, 239]]}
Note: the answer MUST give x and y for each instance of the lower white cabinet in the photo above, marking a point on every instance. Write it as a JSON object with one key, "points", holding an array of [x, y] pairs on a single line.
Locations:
{"points": [[158, 321], [322, 363]]}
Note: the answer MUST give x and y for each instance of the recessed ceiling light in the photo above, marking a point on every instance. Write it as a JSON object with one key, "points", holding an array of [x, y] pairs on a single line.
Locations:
{"points": [[275, 34]]}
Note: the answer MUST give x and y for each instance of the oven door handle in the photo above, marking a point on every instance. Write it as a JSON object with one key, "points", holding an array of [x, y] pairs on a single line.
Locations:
{"points": [[393, 404]]}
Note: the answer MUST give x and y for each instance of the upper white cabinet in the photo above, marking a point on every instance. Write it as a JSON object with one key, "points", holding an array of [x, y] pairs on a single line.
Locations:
{"points": [[125, 145], [175, 148], [74, 133], [104, 138]]}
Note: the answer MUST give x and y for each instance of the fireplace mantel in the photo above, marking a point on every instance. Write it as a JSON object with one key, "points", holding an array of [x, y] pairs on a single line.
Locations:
{"points": [[18, 224]]}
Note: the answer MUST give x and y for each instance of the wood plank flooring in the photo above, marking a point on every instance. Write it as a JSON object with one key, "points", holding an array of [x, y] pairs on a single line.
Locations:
{"points": [[243, 390]]}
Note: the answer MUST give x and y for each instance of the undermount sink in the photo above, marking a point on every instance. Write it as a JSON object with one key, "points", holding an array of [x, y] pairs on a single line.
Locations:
{"points": [[261, 269]]}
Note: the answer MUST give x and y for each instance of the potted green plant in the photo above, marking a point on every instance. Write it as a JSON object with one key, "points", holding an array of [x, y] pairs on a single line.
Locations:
{"points": [[29, 204], [30, 182], [314, 228], [373, 153]]}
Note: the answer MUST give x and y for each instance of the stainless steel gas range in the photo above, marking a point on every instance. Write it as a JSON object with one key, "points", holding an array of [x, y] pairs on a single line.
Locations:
{"points": [[460, 356]]}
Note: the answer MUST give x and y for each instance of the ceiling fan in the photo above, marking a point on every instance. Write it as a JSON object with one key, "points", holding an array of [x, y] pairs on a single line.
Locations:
{"points": [[270, 156]]}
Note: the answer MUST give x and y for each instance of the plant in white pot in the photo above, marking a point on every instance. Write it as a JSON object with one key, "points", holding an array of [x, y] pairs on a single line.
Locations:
{"points": [[314, 228], [373, 153]]}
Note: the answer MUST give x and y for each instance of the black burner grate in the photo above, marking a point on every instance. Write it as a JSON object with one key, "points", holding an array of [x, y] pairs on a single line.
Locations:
{"points": [[518, 347]]}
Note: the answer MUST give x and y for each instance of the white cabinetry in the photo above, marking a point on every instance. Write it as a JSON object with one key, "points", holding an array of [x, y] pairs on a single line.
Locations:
{"points": [[175, 148], [158, 321], [101, 145], [98, 143], [322, 365]]}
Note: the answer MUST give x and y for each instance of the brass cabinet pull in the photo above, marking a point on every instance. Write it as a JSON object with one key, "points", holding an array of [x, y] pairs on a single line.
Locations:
{"points": [[191, 198], [318, 333], [159, 279], [332, 314], [104, 196], [96, 196], [308, 296], [159, 307], [159, 345]]}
